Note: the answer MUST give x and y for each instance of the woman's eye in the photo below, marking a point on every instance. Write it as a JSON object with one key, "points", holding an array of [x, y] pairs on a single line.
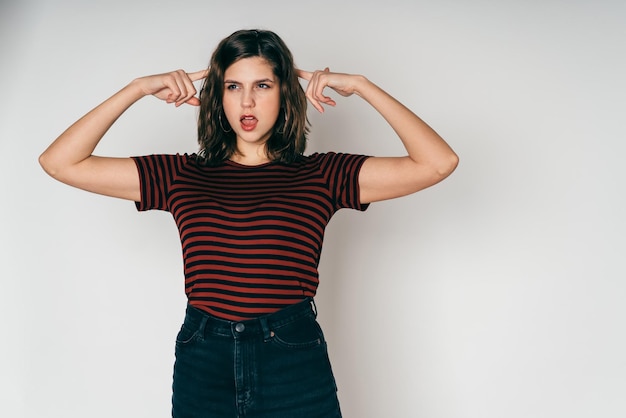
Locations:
{"points": [[231, 87], [264, 86]]}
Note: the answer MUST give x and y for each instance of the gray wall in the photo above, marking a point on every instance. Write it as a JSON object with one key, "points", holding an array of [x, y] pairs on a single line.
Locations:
{"points": [[498, 292]]}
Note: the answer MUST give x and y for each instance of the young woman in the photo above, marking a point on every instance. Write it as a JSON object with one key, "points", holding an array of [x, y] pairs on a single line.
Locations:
{"points": [[251, 210]]}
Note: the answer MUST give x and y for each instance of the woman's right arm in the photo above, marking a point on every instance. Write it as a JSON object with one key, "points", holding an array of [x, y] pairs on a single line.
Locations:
{"points": [[69, 158]]}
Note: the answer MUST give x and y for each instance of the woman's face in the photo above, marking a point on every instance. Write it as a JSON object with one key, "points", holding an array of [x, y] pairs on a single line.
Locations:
{"points": [[251, 102]]}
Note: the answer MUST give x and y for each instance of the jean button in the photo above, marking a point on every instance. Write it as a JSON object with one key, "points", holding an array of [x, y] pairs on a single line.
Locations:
{"points": [[239, 327]]}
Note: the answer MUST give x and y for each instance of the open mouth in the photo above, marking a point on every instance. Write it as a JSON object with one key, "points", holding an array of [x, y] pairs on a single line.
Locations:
{"points": [[248, 122]]}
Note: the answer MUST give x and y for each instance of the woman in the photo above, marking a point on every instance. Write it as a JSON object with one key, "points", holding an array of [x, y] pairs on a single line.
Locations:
{"points": [[251, 210]]}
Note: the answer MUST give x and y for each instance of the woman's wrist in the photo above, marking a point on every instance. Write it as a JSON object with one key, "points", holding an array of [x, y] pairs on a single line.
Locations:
{"points": [[135, 89], [362, 85]]}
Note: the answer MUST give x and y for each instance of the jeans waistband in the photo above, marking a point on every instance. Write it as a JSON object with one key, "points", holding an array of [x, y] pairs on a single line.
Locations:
{"points": [[207, 323]]}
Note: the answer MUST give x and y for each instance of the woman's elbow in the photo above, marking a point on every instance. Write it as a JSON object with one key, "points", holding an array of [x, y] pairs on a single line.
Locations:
{"points": [[52, 166], [46, 164], [447, 165]]}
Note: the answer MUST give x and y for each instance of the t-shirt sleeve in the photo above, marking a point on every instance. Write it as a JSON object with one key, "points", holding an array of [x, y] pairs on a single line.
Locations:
{"points": [[342, 173], [156, 175]]}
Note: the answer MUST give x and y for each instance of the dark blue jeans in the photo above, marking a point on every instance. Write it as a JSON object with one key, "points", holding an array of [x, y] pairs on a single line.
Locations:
{"points": [[275, 366]]}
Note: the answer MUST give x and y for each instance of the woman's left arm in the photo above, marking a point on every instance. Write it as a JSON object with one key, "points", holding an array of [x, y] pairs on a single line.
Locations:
{"points": [[430, 159]]}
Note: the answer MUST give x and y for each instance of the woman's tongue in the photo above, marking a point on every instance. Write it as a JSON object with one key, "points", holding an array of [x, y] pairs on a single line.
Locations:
{"points": [[248, 123]]}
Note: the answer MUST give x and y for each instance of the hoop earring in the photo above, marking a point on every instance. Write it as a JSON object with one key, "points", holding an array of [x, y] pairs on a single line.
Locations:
{"points": [[219, 117]]}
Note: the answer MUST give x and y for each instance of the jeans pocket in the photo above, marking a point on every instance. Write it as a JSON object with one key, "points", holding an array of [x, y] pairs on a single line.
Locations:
{"points": [[300, 334], [186, 335]]}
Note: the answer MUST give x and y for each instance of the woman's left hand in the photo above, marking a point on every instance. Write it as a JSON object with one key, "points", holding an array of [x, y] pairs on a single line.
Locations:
{"points": [[344, 84]]}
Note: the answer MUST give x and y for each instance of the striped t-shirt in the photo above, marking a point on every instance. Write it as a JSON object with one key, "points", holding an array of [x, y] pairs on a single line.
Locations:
{"points": [[251, 236]]}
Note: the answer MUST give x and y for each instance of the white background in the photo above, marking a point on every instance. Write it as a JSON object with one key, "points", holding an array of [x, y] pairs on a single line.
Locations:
{"points": [[497, 293]]}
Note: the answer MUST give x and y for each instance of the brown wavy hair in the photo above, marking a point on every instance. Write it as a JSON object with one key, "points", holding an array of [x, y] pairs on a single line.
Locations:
{"points": [[216, 138]]}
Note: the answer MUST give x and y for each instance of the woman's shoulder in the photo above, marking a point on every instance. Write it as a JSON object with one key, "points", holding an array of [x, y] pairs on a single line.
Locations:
{"points": [[318, 156], [332, 157], [169, 156], [169, 161], [330, 162]]}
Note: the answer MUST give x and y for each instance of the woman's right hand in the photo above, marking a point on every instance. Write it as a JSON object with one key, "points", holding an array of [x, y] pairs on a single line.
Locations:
{"points": [[173, 87]]}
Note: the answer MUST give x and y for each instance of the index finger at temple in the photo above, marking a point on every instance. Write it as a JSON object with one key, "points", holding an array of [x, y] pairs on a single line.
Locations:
{"points": [[198, 75], [304, 74]]}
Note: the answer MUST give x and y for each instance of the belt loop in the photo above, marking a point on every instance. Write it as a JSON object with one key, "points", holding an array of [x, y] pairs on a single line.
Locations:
{"points": [[265, 327], [313, 307], [202, 327]]}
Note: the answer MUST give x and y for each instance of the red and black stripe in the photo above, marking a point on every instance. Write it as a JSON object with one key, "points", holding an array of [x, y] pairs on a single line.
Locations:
{"points": [[251, 236]]}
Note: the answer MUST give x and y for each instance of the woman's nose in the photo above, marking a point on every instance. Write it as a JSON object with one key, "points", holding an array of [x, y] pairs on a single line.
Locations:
{"points": [[247, 99]]}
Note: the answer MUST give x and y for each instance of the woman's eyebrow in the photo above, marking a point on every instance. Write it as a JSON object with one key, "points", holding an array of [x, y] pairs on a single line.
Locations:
{"points": [[264, 80]]}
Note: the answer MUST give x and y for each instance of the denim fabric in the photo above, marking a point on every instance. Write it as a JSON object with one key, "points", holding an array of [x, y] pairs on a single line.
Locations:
{"points": [[275, 366]]}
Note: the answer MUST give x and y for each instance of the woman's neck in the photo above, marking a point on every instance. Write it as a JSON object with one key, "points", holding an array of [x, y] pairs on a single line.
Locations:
{"points": [[249, 159]]}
